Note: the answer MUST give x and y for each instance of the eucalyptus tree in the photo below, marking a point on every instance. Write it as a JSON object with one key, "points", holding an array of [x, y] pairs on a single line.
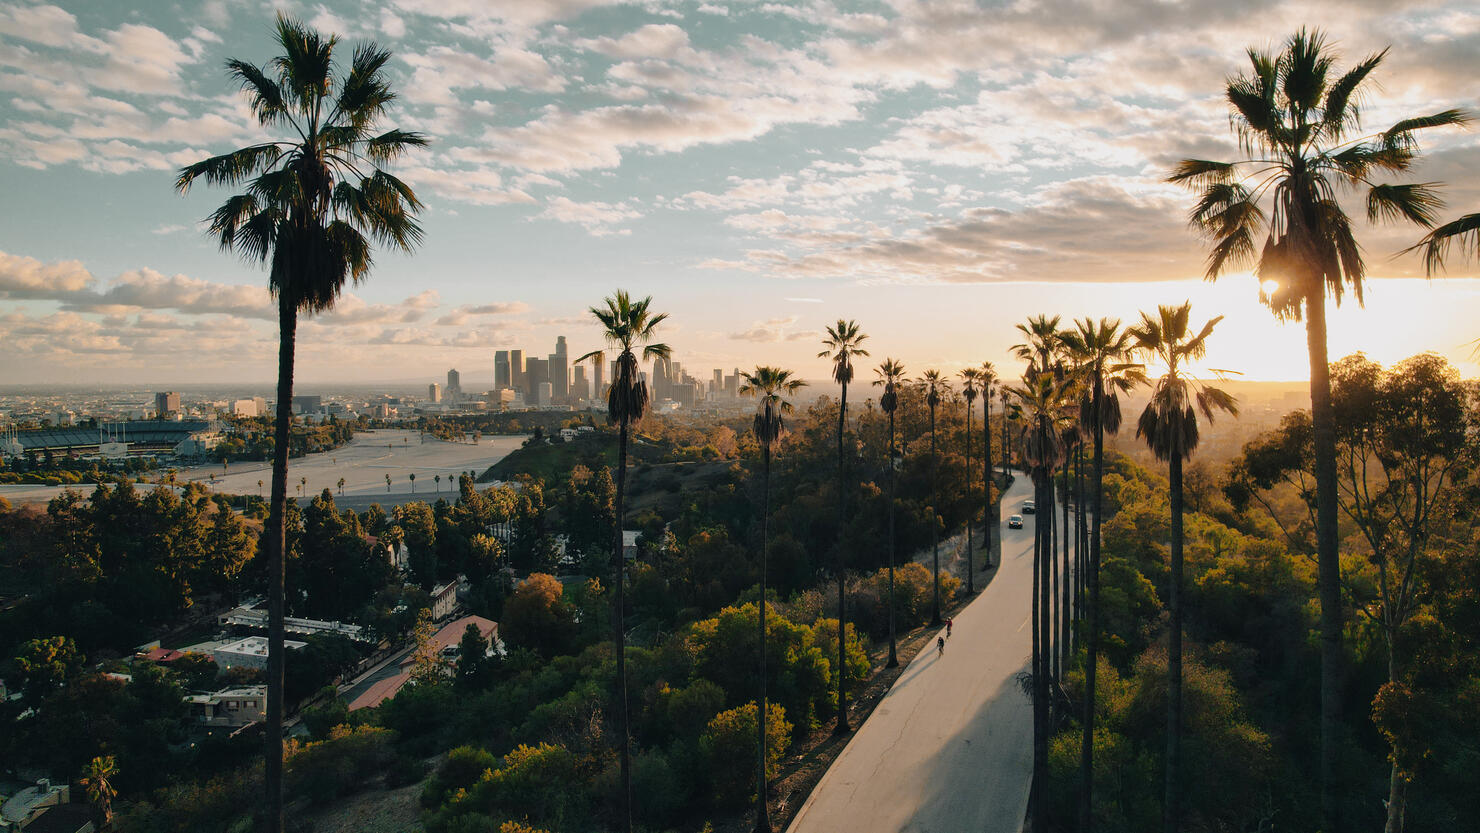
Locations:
{"points": [[933, 385], [772, 386], [1103, 351], [987, 378], [970, 377], [891, 376], [843, 343], [629, 327], [312, 203], [1169, 426], [1302, 144]]}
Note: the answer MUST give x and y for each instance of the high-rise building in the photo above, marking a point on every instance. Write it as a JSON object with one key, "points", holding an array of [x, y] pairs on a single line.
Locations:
{"points": [[536, 373], [516, 371], [502, 378], [545, 394], [434, 393], [598, 389], [560, 371], [719, 382], [454, 384], [308, 404], [578, 387], [166, 404], [661, 380]]}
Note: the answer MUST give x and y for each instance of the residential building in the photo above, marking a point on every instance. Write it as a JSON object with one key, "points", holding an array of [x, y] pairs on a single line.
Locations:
{"points": [[231, 707], [250, 652]]}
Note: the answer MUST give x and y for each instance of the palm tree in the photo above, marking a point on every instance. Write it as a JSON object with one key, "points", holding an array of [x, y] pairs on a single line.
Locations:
{"points": [[1102, 350], [259, 488], [302, 485], [627, 325], [98, 782], [412, 476], [843, 342], [987, 376], [891, 376], [969, 378], [1040, 399], [341, 487], [1040, 348], [437, 479], [934, 385], [387, 484], [1169, 426], [1299, 128], [311, 204], [1002, 393], [771, 385], [1435, 245]]}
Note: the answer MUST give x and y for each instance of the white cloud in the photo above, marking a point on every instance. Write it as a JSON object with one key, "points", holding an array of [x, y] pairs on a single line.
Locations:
{"points": [[596, 217]]}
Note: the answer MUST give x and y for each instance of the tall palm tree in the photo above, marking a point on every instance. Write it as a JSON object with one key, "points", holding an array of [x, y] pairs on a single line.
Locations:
{"points": [[1002, 394], [1300, 133], [98, 782], [843, 342], [341, 487], [1464, 232], [311, 205], [628, 326], [1040, 399], [771, 385], [413, 482], [891, 376], [1040, 348], [969, 378], [1103, 352], [933, 385], [1169, 426], [987, 376]]}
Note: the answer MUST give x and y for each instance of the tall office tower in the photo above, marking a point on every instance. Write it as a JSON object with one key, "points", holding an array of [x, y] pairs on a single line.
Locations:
{"points": [[560, 371], [545, 394], [516, 370], [536, 373], [454, 384], [166, 403], [661, 381], [434, 393], [578, 388], [597, 390], [501, 377], [719, 382]]}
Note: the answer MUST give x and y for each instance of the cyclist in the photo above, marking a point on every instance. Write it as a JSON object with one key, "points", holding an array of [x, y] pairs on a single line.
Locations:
{"points": [[940, 646]]}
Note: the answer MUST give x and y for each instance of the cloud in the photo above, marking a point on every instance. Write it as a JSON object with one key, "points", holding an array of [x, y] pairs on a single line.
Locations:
{"points": [[771, 330], [24, 277], [596, 217]]}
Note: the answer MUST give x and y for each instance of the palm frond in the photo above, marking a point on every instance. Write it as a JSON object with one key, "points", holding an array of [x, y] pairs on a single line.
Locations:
{"points": [[1417, 203], [1342, 112], [1464, 232], [1202, 173]]}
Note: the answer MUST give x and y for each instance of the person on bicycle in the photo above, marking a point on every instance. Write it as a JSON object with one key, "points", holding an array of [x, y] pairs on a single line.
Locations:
{"points": [[940, 646]]}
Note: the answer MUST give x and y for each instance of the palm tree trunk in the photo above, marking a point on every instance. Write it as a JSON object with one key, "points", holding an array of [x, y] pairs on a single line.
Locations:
{"points": [[934, 525], [762, 813], [1056, 601], [842, 523], [1071, 582], [1040, 666], [970, 512], [1327, 558], [893, 655], [1092, 633], [620, 633], [990, 525], [1171, 820], [277, 542]]}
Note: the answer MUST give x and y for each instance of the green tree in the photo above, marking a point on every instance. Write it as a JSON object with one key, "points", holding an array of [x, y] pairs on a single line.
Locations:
{"points": [[771, 385], [472, 658], [626, 325], [891, 376], [536, 616], [843, 343], [1103, 352], [1299, 126], [46, 665], [1169, 426], [724, 746], [311, 205]]}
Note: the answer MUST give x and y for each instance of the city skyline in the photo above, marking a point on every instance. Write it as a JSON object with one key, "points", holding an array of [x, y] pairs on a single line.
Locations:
{"points": [[759, 172]]}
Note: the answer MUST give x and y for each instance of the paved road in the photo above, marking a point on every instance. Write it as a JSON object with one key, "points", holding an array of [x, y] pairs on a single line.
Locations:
{"points": [[949, 748]]}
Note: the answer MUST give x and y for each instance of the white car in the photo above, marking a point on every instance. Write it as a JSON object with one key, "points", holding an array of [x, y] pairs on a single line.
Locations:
{"points": [[1029, 507], [1015, 522]]}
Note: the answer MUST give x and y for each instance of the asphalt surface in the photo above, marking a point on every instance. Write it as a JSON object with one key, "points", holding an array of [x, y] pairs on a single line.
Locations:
{"points": [[949, 748]]}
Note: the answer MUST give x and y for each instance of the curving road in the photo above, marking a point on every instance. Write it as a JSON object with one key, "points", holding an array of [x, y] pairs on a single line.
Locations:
{"points": [[949, 748]]}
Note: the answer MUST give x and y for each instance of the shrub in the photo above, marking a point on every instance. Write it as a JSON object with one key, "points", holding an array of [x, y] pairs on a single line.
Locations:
{"points": [[338, 766], [462, 769], [729, 750]]}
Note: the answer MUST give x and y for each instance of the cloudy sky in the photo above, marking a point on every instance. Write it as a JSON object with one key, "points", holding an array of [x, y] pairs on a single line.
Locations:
{"points": [[937, 171]]}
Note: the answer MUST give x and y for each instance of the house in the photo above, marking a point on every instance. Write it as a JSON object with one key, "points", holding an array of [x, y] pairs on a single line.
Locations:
{"points": [[629, 543], [249, 653], [444, 600], [231, 707], [29, 809], [158, 654]]}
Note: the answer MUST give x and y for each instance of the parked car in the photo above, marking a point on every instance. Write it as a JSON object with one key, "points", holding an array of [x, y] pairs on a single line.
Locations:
{"points": [[1015, 522], [1029, 507]]}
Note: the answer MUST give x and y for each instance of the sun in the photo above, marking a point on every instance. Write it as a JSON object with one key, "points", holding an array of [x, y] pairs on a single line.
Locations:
{"points": [[1268, 286]]}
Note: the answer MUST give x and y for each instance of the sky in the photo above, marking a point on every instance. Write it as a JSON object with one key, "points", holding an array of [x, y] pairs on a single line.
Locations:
{"points": [[936, 171]]}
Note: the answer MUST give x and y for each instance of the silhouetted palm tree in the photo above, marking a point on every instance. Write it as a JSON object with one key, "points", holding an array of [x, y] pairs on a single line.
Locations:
{"points": [[843, 342], [341, 487], [1169, 426], [413, 482], [969, 378], [772, 385], [627, 325], [891, 376], [987, 376], [934, 384], [1300, 129], [1102, 351], [1465, 232], [311, 202], [98, 783]]}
